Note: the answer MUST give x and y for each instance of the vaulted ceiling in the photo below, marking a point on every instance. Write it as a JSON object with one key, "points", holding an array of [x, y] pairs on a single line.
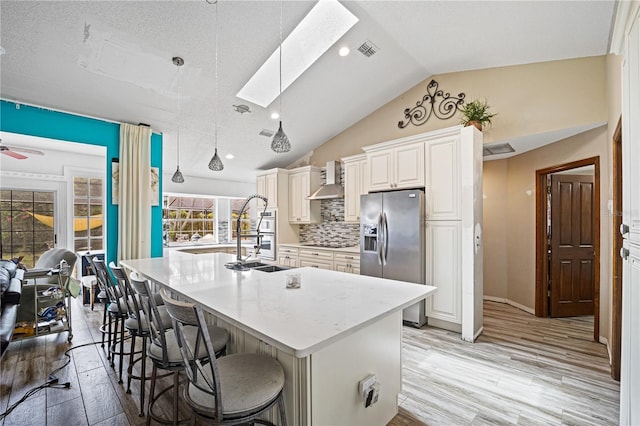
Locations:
{"points": [[112, 60]]}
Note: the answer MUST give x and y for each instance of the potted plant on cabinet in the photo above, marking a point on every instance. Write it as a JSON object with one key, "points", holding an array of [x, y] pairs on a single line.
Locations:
{"points": [[476, 113]]}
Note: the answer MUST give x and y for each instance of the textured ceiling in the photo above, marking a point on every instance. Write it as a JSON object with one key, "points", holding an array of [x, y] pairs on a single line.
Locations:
{"points": [[112, 60]]}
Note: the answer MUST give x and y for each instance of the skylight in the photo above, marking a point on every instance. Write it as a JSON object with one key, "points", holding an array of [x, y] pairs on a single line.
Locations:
{"points": [[324, 25]]}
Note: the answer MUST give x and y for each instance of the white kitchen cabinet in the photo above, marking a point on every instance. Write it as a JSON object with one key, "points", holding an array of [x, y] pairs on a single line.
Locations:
{"points": [[288, 256], [394, 165], [442, 178], [314, 258], [270, 184], [356, 182], [346, 262], [443, 266], [303, 181]]}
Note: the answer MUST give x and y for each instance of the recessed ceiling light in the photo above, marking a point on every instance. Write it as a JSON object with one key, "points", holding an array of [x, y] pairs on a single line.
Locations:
{"points": [[229, 156], [275, 115], [323, 26], [344, 51]]}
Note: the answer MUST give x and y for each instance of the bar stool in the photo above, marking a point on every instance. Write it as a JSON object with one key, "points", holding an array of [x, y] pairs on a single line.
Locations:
{"points": [[164, 351], [232, 390], [103, 295], [88, 281], [118, 312]]}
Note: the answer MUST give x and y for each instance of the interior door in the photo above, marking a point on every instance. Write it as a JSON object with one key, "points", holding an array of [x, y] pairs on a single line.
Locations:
{"points": [[572, 246], [629, 365]]}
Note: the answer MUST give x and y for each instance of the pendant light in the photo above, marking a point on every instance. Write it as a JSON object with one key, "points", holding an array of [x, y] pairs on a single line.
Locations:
{"points": [[177, 176], [215, 163], [280, 142]]}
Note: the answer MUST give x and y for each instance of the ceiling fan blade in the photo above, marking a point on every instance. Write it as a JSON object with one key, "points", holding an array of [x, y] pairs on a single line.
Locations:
{"points": [[13, 154], [28, 151]]}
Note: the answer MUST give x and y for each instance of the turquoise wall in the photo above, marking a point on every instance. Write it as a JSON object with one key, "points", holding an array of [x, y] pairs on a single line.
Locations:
{"points": [[35, 121]]}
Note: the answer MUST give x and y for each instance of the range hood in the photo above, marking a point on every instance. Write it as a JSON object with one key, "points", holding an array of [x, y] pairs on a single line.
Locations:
{"points": [[331, 189]]}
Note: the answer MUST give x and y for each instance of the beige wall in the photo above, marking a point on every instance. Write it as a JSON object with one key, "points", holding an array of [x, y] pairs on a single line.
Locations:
{"points": [[529, 99], [521, 205], [494, 218]]}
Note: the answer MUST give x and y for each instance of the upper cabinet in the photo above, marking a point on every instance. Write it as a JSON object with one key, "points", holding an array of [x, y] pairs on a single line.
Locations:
{"points": [[442, 178], [273, 184], [395, 165], [356, 183], [303, 181]]}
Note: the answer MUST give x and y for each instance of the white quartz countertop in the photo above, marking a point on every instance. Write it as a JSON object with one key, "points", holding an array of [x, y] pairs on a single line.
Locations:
{"points": [[353, 249], [329, 305]]}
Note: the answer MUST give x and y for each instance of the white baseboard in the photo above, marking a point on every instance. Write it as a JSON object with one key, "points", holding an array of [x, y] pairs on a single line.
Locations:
{"points": [[511, 303], [605, 342]]}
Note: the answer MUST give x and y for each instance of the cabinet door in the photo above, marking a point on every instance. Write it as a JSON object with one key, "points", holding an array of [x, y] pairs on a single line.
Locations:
{"points": [[295, 201], [288, 261], [409, 166], [442, 185], [271, 184], [380, 170], [352, 184], [443, 270], [261, 186]]}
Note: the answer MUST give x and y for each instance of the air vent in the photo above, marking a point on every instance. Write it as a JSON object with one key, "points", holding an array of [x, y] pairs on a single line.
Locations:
{"points": [[368, 49], [241, 108], [265, 132], [495, 149]]}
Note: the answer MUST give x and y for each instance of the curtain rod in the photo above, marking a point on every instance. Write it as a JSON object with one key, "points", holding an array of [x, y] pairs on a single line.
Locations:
{"points": [[73, 113]]}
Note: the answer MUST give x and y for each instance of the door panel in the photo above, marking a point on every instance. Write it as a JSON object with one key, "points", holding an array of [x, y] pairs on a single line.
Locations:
{"points": [[405, 237], [370, 211], [572, 245], [629, 365]]}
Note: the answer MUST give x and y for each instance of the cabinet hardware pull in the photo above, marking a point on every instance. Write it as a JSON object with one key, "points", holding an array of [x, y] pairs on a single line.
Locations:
{"points": [[348, 257]]}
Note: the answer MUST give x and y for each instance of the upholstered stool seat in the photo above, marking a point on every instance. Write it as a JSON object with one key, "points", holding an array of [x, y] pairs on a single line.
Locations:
{"points": [[249, 382]]}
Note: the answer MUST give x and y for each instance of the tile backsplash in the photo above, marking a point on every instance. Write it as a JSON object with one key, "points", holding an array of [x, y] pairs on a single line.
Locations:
{"points": [[332, 231]]}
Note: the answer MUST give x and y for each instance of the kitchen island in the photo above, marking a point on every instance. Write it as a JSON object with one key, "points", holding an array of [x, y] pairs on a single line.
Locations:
{"points": [[328, 335]]}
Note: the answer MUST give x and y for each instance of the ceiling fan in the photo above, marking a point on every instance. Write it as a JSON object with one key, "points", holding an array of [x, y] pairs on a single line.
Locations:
{"points": [[14, 151]]}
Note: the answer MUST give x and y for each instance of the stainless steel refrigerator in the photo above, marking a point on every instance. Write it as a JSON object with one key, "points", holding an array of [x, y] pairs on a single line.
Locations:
{"points": [[392, 241]]}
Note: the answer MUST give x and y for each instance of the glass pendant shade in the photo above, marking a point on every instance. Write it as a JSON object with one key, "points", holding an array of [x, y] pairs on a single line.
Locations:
{"points": [[216, 163], [280, 142], [177, 176]]}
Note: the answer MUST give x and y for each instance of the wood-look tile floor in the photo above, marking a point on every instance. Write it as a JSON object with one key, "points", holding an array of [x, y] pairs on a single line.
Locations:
{"points": [[521, 370]]}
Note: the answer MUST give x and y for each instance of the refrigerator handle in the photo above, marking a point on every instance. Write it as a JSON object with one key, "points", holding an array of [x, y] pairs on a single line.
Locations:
{"points": [[386, 238], [380, 238]]}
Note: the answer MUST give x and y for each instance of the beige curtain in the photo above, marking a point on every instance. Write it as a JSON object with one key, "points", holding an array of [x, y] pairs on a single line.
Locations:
{"points": [[134, 212]]}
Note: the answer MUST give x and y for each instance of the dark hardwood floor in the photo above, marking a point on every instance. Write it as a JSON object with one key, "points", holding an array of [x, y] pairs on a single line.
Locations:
{"points": [[522, 370]]}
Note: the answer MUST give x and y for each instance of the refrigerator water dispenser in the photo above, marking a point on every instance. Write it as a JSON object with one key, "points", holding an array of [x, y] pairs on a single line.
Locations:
{"points": [[370, 237]]}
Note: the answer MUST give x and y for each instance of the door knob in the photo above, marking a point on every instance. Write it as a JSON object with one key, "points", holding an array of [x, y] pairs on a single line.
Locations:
{"points": [[624, 253], [624, 229]]}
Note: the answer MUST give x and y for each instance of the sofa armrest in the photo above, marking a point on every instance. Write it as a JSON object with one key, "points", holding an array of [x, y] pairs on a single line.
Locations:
{"points": [[7, 324]]}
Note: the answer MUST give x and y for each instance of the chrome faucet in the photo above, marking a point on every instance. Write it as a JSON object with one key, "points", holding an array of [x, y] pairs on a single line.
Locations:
{"points": [[239, 263]]}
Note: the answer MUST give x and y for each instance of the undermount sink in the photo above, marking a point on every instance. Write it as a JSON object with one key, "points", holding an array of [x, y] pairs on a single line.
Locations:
{"points": [[255, 264], [270, 268]]}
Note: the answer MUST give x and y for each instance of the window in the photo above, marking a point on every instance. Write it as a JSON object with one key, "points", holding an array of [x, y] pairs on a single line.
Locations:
{"points": [[26, 224], [87, 214], [245, 220], [189, 219]]}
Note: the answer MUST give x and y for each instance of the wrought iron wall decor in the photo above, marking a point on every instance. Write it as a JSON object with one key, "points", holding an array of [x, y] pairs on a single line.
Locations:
{"points": [[436, 102]]}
